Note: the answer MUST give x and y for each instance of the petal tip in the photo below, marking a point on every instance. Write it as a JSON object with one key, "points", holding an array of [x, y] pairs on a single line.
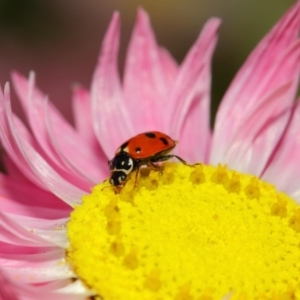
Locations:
{"points": [[113, 30], [215, 22], [16, 76], [115, 18], [6, 88], [142, 17]]}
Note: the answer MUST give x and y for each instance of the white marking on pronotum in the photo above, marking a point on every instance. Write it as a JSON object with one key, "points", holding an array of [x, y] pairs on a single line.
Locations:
{"points": [[130, 163]]}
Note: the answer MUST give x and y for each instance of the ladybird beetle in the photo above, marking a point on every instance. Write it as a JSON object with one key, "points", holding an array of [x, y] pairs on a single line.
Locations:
{"points": [[145, 148]]}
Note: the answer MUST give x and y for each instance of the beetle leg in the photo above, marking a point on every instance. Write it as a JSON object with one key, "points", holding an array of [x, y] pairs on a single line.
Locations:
{"points": [[154, 167], [169, 156], [136, 177]]}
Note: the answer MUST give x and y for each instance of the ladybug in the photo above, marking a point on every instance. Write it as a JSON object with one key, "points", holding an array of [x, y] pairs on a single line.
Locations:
{"points": [[143, 149]]}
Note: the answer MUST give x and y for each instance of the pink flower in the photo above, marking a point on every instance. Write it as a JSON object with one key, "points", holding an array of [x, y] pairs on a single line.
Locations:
{"points": [[53, 165]]}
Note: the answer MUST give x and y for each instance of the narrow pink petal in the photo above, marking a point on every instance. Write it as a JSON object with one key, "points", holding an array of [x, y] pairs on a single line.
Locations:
{"points": [[31, 100], [54, 286], [261, 131], [267, 68], [37, 268], [60, 289], [188, 108], [19, 261], [169, 67], [53, 231], [69, 176], [55, 162], [284, 169], [57, 137], [34, 224], [17, 190], [28, 200], [36, 295], [146, 83], [13, 171], [289, 63], [7, 290], [73, 150], [12, 149], [12, 288], [81, 103], [8, 248], [12, 206], [111, 121], [77, 287], [51, 179], [57, 237], [83, 121], [13, 233]]}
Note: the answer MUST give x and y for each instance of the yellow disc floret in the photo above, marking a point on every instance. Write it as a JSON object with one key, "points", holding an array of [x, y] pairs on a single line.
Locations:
{"points": [[188, 233]]}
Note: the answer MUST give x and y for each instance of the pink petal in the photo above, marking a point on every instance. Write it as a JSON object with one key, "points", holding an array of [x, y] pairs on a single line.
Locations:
{"points": [[70, 177], [9, 248], [61, 289], [146, 83], [26, 135], [23, 199], [257, 137], [53, 231], [37, 223], [57, 237], [266, 69], [32, 102], [72, 291], [52, 180], [13, 233], [10, 206], [284, 170], [47, 123], [169, 68], [73, 150], [111, 121], [14, 173], [7, 291], [188, 108], [77, 287], [36, 268], [83, 119], [56, 234], [264, 145], [12, 149], [81, 104]]}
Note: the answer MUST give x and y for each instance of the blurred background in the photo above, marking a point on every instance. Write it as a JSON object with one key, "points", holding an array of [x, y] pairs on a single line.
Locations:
{"points": [[60, 39]]}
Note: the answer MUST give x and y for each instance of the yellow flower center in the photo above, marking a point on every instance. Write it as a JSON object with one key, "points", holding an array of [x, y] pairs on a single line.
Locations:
{"points": [[188, 233]]}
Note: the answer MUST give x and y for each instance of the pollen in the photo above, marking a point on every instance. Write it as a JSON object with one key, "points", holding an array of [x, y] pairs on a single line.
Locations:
{"points": [[187, 233]]}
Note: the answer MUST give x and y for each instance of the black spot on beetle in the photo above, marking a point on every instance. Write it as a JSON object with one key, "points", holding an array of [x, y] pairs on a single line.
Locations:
{"points": [[138, 150], [150, 135], [164, 141]]}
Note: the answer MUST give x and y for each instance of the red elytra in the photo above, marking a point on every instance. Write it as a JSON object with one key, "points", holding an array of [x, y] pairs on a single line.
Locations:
{"points": [[147, 144], [143, 149]]}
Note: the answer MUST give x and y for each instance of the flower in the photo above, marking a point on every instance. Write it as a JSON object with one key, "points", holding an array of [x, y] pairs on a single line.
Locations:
{"points": [[52, 166]]}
